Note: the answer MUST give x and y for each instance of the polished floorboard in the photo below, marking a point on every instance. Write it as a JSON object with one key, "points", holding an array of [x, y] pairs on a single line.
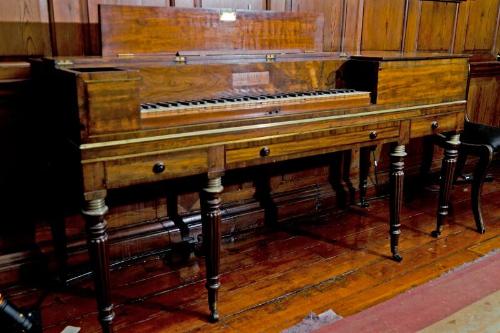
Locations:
{"points": [[272, 279]]}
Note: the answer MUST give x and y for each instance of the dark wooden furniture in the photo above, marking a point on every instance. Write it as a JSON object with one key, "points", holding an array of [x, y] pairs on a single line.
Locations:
{"points": [[480, 140], [164, 103]]}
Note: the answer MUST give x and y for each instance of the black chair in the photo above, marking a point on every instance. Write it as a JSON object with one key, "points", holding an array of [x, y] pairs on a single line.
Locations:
{"points": [[482, 141]]}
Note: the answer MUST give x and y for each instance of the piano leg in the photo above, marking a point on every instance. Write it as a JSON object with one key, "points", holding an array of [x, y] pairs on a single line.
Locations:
{"points": [[447, 175], [211, 219], [396, 198], [97, 241]]}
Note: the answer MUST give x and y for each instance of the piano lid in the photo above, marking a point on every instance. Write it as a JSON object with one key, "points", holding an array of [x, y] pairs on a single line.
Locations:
{"points": [[159, 30]]}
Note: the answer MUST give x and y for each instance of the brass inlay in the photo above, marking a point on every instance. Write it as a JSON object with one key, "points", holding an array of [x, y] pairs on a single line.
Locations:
{"points": [[267, 125]]}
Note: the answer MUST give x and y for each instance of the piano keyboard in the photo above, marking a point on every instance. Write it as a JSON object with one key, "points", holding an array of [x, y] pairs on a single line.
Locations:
{"points": [[249, 101]]}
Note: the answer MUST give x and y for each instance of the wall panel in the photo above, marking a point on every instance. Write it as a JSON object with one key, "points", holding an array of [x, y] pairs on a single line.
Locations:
{"points": [[24, 27], [383, 22], [185, 3], [332, 11], [279, 5], [484, 100], [437, 25], [235, 4], [69, 20], [353, 24], [481, 25]]}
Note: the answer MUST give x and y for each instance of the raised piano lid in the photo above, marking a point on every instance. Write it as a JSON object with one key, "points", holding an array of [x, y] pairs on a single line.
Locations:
{"points": [[160, 30], [192, 57]]}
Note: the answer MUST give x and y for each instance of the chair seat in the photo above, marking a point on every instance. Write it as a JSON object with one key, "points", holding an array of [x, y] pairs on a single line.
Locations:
{"points": [[481, 134]]}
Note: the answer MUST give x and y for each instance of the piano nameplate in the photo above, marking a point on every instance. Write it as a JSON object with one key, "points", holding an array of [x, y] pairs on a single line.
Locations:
{"points": [[250, 79]]}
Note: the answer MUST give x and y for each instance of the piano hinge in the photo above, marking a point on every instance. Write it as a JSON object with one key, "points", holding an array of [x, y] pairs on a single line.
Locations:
{"points": [[270, 57], [64, 62], [179, 58]]}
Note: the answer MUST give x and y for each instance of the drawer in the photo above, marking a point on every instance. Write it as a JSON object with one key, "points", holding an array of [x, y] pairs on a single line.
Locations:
{"points": [[306, 144], [151, 168], [434, 124]]}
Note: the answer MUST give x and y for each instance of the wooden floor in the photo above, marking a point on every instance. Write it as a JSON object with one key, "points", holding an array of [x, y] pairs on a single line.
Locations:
{"points": [[272, 280]]}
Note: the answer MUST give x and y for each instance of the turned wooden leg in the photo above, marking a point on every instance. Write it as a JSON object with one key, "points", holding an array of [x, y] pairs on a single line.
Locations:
{"points": [[396, 201], [485, 158], [459, 170], [97, 241], [447, 176], [364, 170], [211, 219]]}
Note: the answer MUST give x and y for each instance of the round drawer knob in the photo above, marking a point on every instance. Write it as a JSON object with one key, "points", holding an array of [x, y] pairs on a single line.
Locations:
{"points": [[435, 125], [373, 135], [265, 151], [159, 167]]}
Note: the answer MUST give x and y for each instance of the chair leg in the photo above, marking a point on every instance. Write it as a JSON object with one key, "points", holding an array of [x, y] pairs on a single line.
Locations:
{"points": [[459, 171], [485, 158]]}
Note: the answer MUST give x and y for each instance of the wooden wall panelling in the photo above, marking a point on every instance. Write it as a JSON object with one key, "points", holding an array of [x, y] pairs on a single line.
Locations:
{"points": [[279, 5], [185, 3], [461, 28], [235, 4], [333, 11], [413, 11], [477, 27], [484, 100], [69, 27], [353, 24], [436, 37], [481, 26], [24, 28], [383, 25]]}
